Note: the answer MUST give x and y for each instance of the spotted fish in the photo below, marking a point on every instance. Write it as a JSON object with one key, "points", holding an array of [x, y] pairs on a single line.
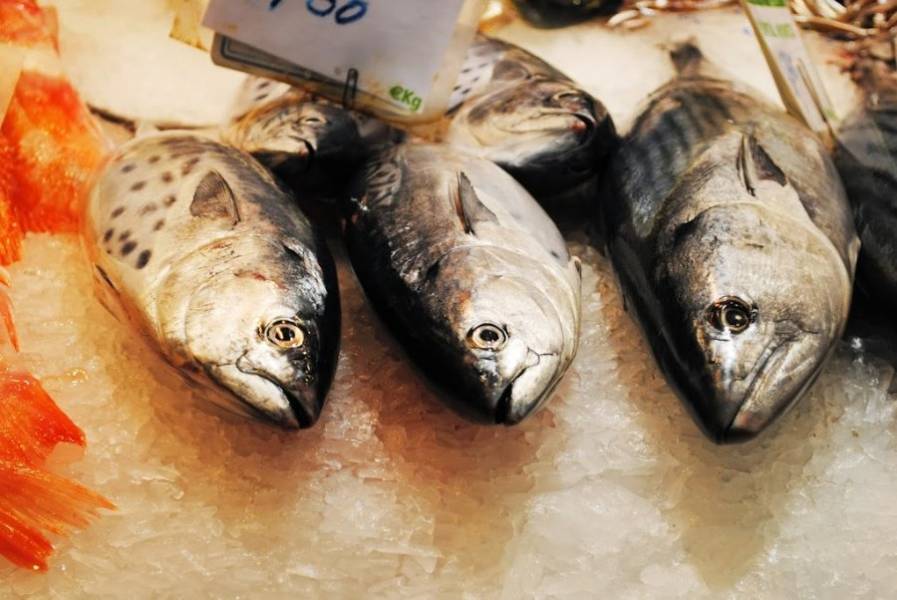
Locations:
{"points": [[733, 242], [211, 259], [521, 113], [471, 276]]}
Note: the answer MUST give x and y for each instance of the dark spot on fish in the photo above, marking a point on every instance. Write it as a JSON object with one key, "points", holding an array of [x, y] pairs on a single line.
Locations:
{"points": [[465, 91], [118, 211], [556, 255], [260, 97], [169, 200], [143, 258], [264, 84], [189, 165], [467, 70], [128, 247], [154, 159], [108, 235], [167, 177], [149, 208], [139, 185], [456, 88], [124, 235], [128, 168], [159, 225], [483, 65]]}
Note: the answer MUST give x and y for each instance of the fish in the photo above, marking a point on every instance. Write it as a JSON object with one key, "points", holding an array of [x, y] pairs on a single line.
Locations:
{"points": [[49, 149], [470, 275], [310, 142], [560, 13], [521, 113], [198, 246], [731, 236], [864, 154]]}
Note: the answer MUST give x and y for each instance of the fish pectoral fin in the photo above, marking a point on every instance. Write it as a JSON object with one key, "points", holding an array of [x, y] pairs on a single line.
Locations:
{"points": [[471, 210], [755, 165], [214, 199]]}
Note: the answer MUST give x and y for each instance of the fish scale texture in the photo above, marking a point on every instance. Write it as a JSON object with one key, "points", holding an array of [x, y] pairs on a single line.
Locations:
{"points": [[610, 491]]}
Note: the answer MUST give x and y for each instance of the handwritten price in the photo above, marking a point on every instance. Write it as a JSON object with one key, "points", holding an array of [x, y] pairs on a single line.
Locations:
{"points": [[349, 12]]}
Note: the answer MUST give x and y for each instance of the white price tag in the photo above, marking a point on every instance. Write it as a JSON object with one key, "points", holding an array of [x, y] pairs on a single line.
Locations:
{"points": [[793, 71], [397, 47]]}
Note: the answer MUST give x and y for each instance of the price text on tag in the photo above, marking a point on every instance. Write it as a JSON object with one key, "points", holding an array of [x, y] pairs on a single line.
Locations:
{"points": [[799, 84], [396, 46]]}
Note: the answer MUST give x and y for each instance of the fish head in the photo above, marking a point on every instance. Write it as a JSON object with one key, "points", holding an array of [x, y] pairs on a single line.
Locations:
{"points": [[537, 129], [267, 335], [507, 341], [754, 299], [290, 135]]}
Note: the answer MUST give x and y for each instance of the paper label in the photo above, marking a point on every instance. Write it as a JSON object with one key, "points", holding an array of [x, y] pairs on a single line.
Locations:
{"points": [[397, 47], [799, 84]]}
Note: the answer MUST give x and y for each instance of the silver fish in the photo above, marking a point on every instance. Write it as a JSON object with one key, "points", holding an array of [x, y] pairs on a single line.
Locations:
{"points": [[866, 157], [521, 113], [307, 140], [471, 276], [733, 242], [212, 260]]}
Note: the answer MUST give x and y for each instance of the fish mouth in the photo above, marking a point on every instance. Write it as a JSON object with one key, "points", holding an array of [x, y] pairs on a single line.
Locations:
{"points": [[301, 399], [585, 125], [558, 122], [298, 160], [777, 382], [511, 408], [258, 395]]}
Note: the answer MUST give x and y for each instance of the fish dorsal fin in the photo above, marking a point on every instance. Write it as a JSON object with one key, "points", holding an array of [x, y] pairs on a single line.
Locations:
{"points": [[471, 210], [754, 165], [213, 199]]}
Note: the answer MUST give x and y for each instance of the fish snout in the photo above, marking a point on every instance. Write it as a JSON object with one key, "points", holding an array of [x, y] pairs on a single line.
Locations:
{"points": [[529, 389], [292, 401], [509, 400], [735, 411]]}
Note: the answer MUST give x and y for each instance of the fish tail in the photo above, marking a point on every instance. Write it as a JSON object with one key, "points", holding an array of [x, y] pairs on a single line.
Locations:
{"points": [[31, 424], [10, 228], [687, 57], [33, 503]]}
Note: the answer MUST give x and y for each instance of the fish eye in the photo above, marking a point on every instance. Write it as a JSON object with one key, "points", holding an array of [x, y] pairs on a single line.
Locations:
{"points": [[731, 314], [313, 120], [487, 337], [285, 333]]}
